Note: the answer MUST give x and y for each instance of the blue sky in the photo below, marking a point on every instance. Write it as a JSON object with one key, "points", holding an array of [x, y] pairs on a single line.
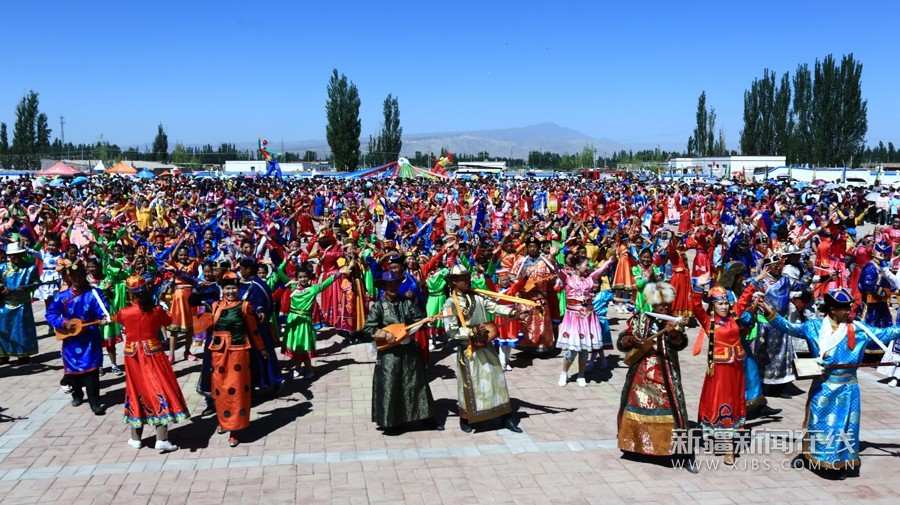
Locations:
{"points": [[229, 71]]}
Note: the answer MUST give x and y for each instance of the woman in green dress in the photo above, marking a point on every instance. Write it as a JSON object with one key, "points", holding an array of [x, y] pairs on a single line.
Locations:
{"points": [[299, 337], [115, 273]]}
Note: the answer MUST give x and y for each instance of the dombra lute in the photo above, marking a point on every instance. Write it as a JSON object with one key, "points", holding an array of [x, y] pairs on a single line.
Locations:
{"points": [[80, 325], [400, 331]]}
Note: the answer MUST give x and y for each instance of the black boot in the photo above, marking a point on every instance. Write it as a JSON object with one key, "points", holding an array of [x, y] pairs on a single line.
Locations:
{"points": [[210, 409], [77, 400], [510, 424], [433, 424], [97, 409], [767, 411], [465, 426]]}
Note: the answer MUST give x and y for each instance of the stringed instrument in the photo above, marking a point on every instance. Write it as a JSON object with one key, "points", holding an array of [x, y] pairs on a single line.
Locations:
{"points": [[80, 325], [400, 331], [635, 354]]}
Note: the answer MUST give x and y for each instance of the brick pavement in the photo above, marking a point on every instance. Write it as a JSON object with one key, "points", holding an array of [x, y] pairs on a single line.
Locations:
{"points": [[316, 444]]}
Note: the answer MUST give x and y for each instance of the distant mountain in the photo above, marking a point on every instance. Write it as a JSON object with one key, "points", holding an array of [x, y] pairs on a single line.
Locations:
{"points": [[517, 142]]}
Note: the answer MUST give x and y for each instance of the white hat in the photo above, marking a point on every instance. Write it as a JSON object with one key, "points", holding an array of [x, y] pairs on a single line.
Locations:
{"points": [[458, 270], [14, 248]]}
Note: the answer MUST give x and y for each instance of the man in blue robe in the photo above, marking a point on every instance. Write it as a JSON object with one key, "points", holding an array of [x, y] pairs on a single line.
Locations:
{"points": [[265, 372], [18, 336], [82, 353]]}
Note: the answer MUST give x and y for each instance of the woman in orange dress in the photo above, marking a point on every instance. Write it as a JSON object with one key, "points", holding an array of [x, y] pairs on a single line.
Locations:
{"points": [[152, 394], [623, 280], [234, 331], [184, 271]]}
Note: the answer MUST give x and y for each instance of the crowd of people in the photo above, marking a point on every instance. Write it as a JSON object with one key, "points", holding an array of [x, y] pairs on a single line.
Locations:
{"points": [[247, 267]]}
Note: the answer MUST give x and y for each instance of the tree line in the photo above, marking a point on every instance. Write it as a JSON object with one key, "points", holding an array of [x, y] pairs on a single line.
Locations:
{"points": [[816, 117]]}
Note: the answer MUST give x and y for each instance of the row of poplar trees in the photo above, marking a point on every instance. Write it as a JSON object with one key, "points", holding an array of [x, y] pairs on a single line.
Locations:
{"points": [[814, 117], [344, 127]]}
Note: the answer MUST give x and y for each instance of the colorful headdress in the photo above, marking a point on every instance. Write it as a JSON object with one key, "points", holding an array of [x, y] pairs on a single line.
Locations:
{"points": [[884, 248], [135, 283], [717, 294]]}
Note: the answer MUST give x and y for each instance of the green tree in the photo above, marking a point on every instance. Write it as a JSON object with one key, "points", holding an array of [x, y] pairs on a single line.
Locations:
{"points": [[782, 119], [4, 144], [160, 151], [310, 156], [698, 142], [802, 139], [391, 132], [180, 155], [42, 134], [587, 156], [23, 143], [344, 126], [853, 122]]}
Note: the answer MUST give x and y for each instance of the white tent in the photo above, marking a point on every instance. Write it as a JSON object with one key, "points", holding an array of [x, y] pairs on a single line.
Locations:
{"points": [[99, 167]]}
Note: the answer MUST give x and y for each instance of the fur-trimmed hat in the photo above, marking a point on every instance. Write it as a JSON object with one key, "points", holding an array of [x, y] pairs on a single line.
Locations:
{"points": [[659, 293]]}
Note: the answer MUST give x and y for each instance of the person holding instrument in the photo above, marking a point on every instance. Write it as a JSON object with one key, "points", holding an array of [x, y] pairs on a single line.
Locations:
{"points": [[832, 420], [400, 391], [75, 313], [652, 404], [481, 389]]}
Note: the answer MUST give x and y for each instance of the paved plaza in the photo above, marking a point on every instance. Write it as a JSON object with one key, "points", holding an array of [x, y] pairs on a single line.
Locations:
{"points": [[316, 444]]}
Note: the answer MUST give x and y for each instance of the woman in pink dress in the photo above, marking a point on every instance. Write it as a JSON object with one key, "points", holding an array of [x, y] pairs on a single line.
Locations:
{"points": [[579, 332]]}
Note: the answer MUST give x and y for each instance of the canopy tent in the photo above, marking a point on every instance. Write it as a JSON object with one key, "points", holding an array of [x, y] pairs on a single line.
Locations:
{"points": [[60, 169], [99, 167], [169, 173], [145, 174], [121, 168], [400, 168]]}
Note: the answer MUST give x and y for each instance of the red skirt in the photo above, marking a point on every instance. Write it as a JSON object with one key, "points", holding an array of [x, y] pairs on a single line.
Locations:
{"points": [[681, 281], [722, 403], [332, 304], [152, 395]]}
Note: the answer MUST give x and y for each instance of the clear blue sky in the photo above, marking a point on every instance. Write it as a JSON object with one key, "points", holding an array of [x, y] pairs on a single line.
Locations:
{"points": [[229, 71]]}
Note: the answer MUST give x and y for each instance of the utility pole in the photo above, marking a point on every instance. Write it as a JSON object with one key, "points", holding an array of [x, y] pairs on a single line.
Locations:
{"points": [[62, 131]]}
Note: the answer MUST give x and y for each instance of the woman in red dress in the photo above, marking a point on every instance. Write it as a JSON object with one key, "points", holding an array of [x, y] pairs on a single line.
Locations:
{"points": [[681, 278], [332, 305], [722, 404], [152, 395]]}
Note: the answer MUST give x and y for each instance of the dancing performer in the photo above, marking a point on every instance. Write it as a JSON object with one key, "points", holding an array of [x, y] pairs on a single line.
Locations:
{"points": [[400, 391], [481, 384], [832, 423], [723, 408], [579, 333], [152, 394], [234, 332], [652, 404], [537, 327], [82, 353]]}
